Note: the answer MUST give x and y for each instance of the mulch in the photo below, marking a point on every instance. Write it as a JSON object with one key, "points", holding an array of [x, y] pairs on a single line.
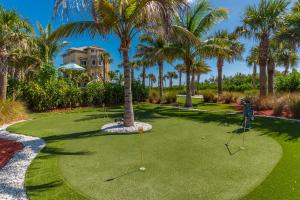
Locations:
{"points": [[8, 148]]}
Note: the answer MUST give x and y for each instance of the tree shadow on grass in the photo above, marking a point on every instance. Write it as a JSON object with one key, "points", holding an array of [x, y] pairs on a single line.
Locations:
{"points": [[289, 130], [44, 187], [50, 152]]}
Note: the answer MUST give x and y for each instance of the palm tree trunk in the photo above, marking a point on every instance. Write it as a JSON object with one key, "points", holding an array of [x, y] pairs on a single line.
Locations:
{"points": [[3, 82], [171, 82], [198, 78], [220, 64], [254, 75], [263, 57], [160, 81], [144, 76], [286, 68], [193, 83], [128, 108], [180, 75], [271, 70], [188, 99], [132, 74]]}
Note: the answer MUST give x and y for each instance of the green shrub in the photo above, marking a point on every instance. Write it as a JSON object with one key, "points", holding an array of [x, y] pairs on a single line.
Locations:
{"points": [[170, 97], [154, 96], [139, 92], [55, 93], [288, 83], [94, 93]]}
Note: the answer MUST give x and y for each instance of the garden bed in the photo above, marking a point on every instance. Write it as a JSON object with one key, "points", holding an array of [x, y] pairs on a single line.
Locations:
{"points": [[8, 148]]}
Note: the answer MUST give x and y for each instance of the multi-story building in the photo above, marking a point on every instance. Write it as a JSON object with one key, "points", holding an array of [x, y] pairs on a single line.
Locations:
{"points": [[89, 57]]}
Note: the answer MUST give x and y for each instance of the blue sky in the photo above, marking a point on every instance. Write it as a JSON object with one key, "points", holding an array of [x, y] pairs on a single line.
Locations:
{"points": [[41, 11]]}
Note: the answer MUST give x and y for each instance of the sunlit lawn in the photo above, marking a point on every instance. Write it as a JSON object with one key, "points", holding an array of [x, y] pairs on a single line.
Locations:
{"points": [[184, 154]]}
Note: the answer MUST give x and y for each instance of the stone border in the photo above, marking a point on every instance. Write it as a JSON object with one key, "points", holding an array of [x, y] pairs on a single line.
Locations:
{"points": [[12, 175], [118, 127]]}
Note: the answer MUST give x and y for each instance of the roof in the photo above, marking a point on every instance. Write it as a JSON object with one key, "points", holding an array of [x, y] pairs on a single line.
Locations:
{"points": [[71, 66]]}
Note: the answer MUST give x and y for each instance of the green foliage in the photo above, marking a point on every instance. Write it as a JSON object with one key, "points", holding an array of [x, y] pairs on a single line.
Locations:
{"points": [[54, 93], [93, 94], [289, 82], [139, 92], [47, 72], [237, 83]]}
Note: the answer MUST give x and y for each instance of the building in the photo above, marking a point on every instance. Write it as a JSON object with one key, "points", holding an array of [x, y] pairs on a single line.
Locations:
{"points": [[89, 57]]}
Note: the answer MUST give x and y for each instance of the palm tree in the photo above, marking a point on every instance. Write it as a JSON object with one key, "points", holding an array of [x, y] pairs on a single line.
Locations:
{"points": [[14, 35], [47, 48], [152, 79], [171, 76], [180, 69], [261, 21], [199, 67], [106, 59], [124, 19], [154, 48], [252, 60], [226, 47], [188, 30]]}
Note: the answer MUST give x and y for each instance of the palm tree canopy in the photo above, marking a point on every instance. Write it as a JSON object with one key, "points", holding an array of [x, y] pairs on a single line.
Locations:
{"points": [[121, 17], [172, 75], [263, 18], [253, 57], [201, 67], [225, 45]]}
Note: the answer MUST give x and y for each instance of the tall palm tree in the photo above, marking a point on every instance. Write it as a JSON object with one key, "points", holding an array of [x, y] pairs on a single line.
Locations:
{"points": [[252, 60], [199, 67], [189, 28], [124, 19], [152, 79], [14, 34], [261, 21], [180, 69], [154, 48], [106, 59], [171, 76], [47, 48], [226, 47]]}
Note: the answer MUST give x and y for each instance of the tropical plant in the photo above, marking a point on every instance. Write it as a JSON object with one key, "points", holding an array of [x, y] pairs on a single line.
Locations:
{"points": [[200, 67], [106, 59], [154, 48], [180, 69], [124, 19], [252, 60], [226, 47], [152, 79], [262, 21], [14, 34], [171, 76], [188, 31]]}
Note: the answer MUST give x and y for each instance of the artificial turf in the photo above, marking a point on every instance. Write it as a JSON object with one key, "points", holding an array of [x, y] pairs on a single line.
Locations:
{"points": [[184, 154], [198, 103]]}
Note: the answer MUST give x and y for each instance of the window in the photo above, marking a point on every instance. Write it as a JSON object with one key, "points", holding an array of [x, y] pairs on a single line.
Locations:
{"points": [[92, 50], [93, 62], [83, 62]]}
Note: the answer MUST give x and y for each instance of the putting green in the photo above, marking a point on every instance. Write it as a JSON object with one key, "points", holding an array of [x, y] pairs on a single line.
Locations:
{"points": [[185, 159]]}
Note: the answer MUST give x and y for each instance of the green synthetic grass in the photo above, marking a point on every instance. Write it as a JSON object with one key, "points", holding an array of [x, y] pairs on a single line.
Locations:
{"points": [[184, 154], [198, 103]]}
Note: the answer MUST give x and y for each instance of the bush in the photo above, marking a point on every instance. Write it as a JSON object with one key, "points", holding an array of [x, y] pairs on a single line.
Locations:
{"points": [[230, 97], [12, 111], [94, 93], [170, 97], [154, 96], [288, 83], [266, 103], [139, 92], [279, 105], [294, 106], [209, 96], [55, 93]]}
